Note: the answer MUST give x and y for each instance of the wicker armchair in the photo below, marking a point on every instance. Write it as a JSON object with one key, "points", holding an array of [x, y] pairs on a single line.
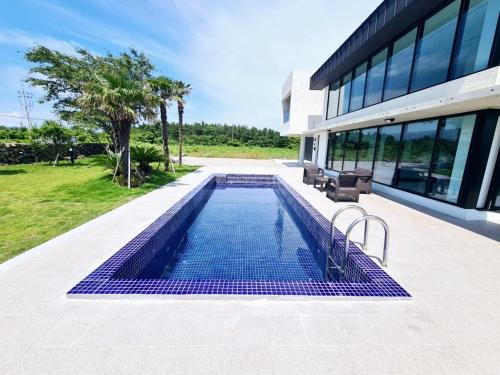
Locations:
{"points": [[311, 171], [364, 183], [344, 187]]}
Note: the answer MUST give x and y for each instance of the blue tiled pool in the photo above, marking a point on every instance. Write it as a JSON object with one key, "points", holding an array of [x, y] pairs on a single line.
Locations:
{"points": [[241, 233], [238, 234]]}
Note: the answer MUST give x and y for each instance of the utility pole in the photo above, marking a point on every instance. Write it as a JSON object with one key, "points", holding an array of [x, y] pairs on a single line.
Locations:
{"points": [[26, 101]]}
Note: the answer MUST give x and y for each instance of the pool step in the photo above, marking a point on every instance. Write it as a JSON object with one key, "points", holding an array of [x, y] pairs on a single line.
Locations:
{"points": [[249, 179]]}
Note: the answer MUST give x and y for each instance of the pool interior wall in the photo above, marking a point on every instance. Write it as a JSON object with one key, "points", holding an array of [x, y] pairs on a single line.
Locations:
{"points": [[161, 260], [242, 232]]}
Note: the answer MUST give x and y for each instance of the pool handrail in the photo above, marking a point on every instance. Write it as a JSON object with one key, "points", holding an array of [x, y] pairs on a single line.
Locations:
{"points": [[367, 218], [329, 256]]}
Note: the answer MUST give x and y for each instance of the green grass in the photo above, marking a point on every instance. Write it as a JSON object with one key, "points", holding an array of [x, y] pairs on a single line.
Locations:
{"points": [[240, 152], [39, 201]]}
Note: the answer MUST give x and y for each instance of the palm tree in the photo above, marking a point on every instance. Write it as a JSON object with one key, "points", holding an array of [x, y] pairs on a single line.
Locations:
{"points": [[123, 98], [164, 88], [181, 90]]}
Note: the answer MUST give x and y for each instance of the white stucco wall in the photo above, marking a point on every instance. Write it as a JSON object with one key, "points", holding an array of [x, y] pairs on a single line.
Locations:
{"points": [[306, 105]]}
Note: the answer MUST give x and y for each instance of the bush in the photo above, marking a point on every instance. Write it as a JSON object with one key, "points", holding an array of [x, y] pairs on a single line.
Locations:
{"points": [[144, 156], [135, 179], [111, 161]]}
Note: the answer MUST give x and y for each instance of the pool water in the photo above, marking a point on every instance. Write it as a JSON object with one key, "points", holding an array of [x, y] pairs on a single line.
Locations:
{"points": [[241, 233]]}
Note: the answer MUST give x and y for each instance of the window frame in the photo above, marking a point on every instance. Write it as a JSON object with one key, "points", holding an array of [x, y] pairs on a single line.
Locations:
{"points": [[328, 100], [440, 120], [418, 44], [494, 58], [370, 59], [364, 85]]}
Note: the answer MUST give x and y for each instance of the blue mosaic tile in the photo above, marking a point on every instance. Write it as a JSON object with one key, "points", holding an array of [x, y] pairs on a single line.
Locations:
{"points": [[139, 266]]}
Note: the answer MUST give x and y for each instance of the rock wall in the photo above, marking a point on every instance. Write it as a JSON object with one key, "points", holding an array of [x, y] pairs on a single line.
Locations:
{"points": [[17, 153]]}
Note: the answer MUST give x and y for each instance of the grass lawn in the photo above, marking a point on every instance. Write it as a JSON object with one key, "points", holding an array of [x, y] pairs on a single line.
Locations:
{"points": [[225, 151], [39, 201], [241, 152]]}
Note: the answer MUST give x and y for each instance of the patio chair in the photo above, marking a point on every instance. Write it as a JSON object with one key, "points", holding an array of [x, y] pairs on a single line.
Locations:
{"points": [[364, 183], [311, 171], [344, 187]]}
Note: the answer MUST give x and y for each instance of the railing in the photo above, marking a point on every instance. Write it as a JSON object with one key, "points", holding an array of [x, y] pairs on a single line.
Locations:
{"points": [[366, 218], [329, 258]]}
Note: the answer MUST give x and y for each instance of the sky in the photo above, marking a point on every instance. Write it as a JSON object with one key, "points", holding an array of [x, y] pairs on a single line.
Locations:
{"points": [[235, 54]]}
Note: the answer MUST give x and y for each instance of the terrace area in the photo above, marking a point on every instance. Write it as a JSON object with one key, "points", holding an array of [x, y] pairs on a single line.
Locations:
{"points": [[450, 325]]}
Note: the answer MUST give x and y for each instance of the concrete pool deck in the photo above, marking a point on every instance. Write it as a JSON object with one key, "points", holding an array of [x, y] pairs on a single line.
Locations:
{"points": [[451, 325]]}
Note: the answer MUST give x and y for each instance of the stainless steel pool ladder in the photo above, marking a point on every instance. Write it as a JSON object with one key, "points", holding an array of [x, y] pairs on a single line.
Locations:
{"points": [[366, 219], [329, 258]]}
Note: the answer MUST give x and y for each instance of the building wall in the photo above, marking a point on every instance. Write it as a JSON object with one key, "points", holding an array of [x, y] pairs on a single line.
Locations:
{"points": [[305, 106], [474, 92]]}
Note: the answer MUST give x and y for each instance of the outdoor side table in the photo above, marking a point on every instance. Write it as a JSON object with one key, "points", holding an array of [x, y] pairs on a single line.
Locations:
{"points": [[320, 183]]}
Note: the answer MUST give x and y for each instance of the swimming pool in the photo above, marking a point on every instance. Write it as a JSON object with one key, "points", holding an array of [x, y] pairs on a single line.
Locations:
{"points": [[238, 235]]}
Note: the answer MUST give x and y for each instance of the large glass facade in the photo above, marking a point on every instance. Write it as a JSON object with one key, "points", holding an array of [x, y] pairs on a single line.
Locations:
{"points": [[416, 156], [427, 157], [366, 148], [333, 100], [433, 53], [477, 31], [386, 156], [452, 149], [456, 40], [375, 78], [350, 150], [399, 66], [345, 94], [338, 152], [358, 87]]}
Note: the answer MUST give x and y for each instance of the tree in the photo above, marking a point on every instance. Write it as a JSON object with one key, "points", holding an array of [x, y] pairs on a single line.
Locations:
{"points": [[181, 90], [111, 90], [164, 88], [63, 78], [123, 97]]}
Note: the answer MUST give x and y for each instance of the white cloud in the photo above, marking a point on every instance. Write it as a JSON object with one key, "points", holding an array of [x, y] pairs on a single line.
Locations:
{"points": [[26, 40], [239, 53], [236, 55]]}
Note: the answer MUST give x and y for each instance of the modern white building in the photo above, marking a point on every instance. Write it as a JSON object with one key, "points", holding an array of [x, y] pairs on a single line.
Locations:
{"points": [[414, 95]]}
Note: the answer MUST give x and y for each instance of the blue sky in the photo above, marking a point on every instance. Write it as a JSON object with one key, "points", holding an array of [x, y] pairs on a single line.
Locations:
{"points": [[235, 54]]}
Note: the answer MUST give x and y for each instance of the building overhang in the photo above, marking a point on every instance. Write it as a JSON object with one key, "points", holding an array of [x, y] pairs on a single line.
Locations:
{"points": [[390, 19]]}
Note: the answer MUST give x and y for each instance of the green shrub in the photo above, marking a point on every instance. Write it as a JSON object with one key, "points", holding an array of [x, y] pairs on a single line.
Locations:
{"points": [[111, 161], [144, 156]]}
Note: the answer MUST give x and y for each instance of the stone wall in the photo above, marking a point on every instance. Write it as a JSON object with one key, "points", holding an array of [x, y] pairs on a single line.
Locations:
{"points": [[17, 153]]}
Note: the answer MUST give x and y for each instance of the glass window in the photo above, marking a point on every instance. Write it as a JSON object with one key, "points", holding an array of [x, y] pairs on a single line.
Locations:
{"points": [[434, 48], [333, 99], [366, 148], [358, 87], [452, 149], [351, 150], [399, 66], [329, 153], [375, 79], [417, 146], [387, 154], [338, 152], [345, 93], [476, 37]]}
